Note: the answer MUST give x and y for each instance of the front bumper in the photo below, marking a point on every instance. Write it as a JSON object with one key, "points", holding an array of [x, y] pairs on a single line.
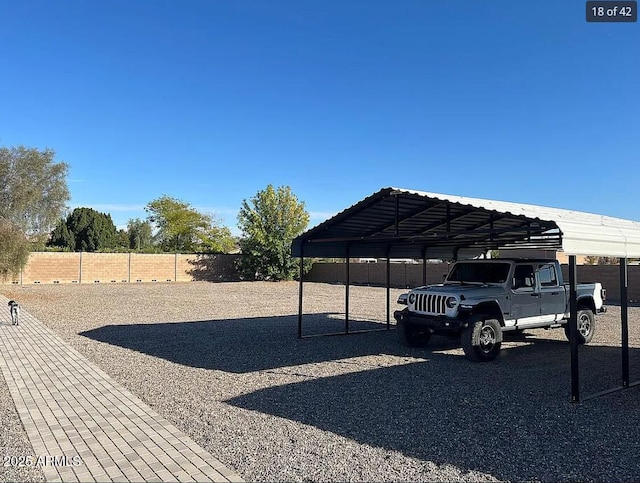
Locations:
{"points": [[435, 323]]}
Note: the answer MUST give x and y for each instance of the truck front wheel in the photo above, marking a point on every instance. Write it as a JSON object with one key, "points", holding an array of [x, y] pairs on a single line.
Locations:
{"points": [[412, 335], [482, 339], [586, 326]]}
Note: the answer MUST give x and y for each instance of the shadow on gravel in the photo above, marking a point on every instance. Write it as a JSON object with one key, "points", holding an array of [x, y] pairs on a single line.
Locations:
{"points": [[510, 418], [262, 343], [249, 344]]}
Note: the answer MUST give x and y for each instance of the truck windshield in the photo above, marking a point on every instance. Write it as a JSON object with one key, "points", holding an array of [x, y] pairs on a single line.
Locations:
{"points": [[479, 272]]}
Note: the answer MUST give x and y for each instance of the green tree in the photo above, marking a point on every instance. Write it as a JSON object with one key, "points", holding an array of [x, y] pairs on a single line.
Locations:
{"points": [[140, 234], [88, 230], [269, 222], [181, 228], [61, 237], [34, 189], [33, 196], [14, 249], [122, 240]]}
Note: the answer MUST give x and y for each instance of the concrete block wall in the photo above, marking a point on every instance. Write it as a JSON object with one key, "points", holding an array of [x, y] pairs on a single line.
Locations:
{"points": [[410, 275], [210, 268], [326, 273], [151, 267], [64, 267], [51, 268], [104, 267], [402, 275], [609, 277], [184, 267]]}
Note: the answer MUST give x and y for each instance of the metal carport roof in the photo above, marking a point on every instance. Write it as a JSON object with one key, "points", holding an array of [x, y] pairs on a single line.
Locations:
{"points": [[403, 223]]}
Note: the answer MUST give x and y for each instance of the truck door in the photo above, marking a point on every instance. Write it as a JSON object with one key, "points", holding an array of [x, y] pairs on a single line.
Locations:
{"points": [[552, 295], [525, 298]]}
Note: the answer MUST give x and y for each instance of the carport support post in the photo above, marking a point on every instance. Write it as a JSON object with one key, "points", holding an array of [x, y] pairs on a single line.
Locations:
{"points": [[624, 318], [300, 295], [573, 329], [388, 290], [346, 296]]}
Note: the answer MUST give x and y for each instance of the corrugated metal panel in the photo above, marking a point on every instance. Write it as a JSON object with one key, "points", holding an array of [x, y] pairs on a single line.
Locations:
{"points": [[582, 233], [407, 223]]}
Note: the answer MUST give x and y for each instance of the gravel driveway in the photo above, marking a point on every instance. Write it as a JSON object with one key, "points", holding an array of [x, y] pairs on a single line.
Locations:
{"points": [[222, 362]]}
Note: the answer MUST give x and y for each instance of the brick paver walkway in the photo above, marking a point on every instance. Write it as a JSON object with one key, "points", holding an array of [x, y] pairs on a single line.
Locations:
{"points": [[83, 425]]}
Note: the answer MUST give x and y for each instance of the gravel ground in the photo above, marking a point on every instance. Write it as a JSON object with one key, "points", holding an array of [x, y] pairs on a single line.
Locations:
{"points": [[223, 363]]}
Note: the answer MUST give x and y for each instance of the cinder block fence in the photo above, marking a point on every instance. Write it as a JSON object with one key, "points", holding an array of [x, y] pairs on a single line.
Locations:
{"points": [[81, 268], [406, 275]]}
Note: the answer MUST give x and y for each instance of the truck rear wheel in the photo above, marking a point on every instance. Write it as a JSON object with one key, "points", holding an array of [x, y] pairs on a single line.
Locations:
{"points": [[412, 335], [586, 326], [482, 339]]}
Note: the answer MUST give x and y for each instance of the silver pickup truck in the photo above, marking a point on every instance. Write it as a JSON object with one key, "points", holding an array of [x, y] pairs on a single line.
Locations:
{"points": [[481, 299]]}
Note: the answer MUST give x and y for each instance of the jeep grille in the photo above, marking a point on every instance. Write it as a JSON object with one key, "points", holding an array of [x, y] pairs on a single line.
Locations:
{"points": [[431, 304]]}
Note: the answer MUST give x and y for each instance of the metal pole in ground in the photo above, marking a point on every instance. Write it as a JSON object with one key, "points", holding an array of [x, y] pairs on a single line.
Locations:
{"points": [[388, 289], [300, 294], [346, 297], [573, 329], [624, 320]]}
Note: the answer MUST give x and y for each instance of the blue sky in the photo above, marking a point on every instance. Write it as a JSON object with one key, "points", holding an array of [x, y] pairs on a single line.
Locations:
{"points": [[210, 101]]}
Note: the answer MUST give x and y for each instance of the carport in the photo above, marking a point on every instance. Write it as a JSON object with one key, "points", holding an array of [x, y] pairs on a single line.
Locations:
{"points": [[402, 223]]}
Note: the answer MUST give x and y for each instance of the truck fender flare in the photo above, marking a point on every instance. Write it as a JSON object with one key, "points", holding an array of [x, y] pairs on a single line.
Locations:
{"points": [[586, 301], [490, 308]]}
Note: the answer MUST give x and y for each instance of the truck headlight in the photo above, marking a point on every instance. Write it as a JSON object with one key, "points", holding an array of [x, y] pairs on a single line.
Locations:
{"points": [[412, 298], [452, 302]]}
